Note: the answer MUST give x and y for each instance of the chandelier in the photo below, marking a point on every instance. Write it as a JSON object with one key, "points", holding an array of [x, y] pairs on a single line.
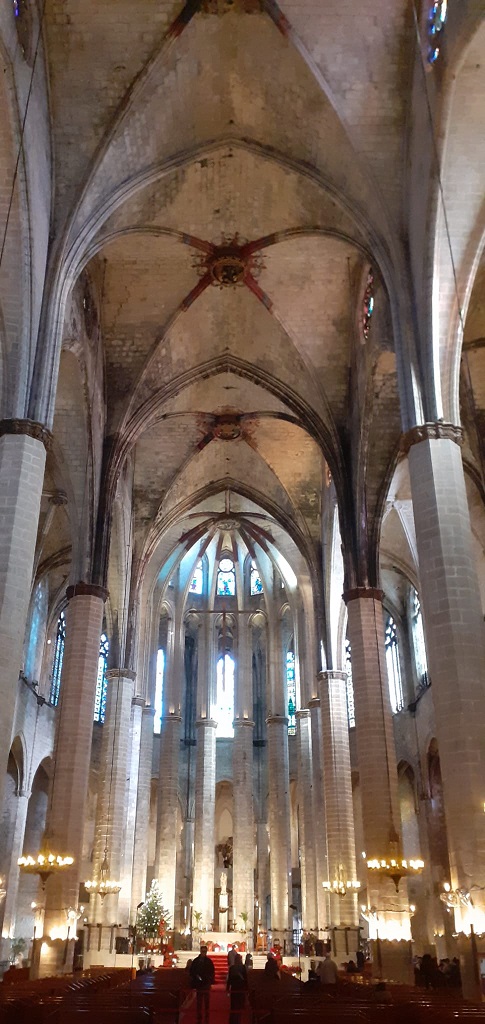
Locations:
{"points": [[393, 865], [104, 885], [45, 863], [341, 885]]}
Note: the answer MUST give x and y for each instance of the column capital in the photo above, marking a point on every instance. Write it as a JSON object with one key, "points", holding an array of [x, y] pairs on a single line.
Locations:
{"points": [[30, 428], [355, 593], [276, 720], [147, 710], [138, 702], [121, 673], [332, 673], [171, 717], [206, 723], [302, 713], [83, 589], [438, 431], [243, 721], [314, 702]]}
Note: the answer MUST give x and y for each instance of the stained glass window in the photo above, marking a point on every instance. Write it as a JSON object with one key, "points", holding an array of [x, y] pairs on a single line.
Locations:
{"points": [[368, 305], [101, 681], [419, 643], [157, 721], [291, 692], [197, 582], [436, 24], [350, 685], [58, 658], [16, 8], [393, 666], [224, 712], [226, 578], [256, 582]]}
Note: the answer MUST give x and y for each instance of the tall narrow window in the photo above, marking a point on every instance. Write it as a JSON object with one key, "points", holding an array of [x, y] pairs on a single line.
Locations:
{"points": [[291, 692], [436, 23], [226, 578], [393, 666], [157, 721], [101, 681], [350, 685], [256, 582], [224, 713], [58, 659], [197, 581], [419, 644]]}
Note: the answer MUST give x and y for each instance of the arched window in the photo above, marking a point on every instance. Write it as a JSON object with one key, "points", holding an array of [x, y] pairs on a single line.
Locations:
{"points": [[197, 582], [224, 712], [393, 666], [58, 658], [419, 644], [368, 305], [157, 721], [101, 681], [436, 24], [350, 685], [291, 692], [256, 582], [226, 578]]}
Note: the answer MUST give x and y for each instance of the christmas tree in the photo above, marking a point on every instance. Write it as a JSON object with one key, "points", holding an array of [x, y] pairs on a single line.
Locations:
{"points": [[153, 918]]}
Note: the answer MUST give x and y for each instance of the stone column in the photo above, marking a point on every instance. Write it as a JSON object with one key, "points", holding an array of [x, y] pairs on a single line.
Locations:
{"points": [[22, 461], [205, 795], [377, 764], [455, 641], [319, 818], [111, 807], [279, 825], [262, 843], [168, 774], [306, 821], [339, 809], [124, 898], [72, 755], [9, 909], [242, 774], [168, 780], [244, 839], [140, 848]]}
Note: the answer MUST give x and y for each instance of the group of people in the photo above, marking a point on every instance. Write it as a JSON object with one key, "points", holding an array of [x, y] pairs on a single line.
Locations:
{"points": [[428, 973], [202, 974]]}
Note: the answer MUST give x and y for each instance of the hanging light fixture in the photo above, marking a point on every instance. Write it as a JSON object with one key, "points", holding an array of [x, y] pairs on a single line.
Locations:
{"points": [[461, 897], [45, 862], [393, 865], [103, 885], [341, 885]]}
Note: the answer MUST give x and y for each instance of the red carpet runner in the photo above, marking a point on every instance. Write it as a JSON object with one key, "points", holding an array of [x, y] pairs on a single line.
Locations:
{"points": [[219, 1000]]}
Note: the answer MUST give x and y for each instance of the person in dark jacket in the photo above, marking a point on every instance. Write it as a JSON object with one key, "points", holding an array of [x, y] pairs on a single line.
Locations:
{"points": [[202, 975], [237, 984]]}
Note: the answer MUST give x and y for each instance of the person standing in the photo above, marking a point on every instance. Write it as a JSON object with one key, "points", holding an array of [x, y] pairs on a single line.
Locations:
{"points": [[237, 984], [327, 971], [202, 976]]}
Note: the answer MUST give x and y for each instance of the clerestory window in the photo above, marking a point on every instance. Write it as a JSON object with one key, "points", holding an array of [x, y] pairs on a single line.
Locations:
{"points": [[393, 666]]}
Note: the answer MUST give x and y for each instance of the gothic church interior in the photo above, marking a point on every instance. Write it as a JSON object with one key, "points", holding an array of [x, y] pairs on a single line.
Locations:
{"points": [[242, 521]]}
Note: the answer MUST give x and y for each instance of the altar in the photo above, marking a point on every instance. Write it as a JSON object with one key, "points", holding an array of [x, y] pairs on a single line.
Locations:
{"points": [[220, 942]]}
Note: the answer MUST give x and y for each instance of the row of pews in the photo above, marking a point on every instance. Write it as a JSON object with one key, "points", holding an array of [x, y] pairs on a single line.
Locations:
{"points": [[113, 997]]}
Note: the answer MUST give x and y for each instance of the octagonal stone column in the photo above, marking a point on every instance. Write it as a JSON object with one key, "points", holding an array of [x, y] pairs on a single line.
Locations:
{"points": [[72, 755], [205, 797], [306, 820], [455, 643], [279, 825], [23, 446]]}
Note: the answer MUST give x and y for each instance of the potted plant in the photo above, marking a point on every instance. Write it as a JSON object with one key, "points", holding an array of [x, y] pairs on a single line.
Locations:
{"points": [[244, 918]]}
